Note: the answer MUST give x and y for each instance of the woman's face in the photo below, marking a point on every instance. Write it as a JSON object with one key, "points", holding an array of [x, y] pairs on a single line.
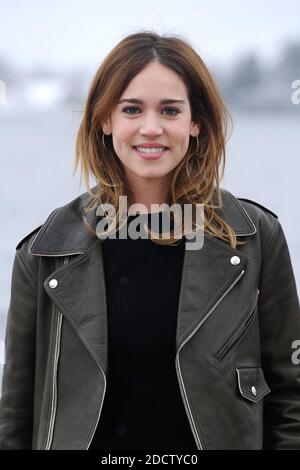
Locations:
{"points": [[149, 121]]}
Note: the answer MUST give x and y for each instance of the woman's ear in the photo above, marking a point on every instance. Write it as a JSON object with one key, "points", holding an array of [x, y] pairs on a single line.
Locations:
{"points": [[106, 127], [195, 129]]}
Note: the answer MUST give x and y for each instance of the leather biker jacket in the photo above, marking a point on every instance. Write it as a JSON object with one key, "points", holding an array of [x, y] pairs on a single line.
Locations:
{"points": [[238, 320]]}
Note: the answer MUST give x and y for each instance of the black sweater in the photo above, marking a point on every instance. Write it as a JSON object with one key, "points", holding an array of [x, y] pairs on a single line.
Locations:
{"points": [[143, 407]]}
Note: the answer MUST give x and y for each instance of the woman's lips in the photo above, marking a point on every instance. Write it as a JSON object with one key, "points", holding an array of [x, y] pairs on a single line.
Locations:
{"points": [[152, 155]]}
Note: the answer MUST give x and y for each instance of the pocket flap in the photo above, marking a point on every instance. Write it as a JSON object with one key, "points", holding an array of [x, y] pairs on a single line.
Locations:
{"points": [[252, 383]]}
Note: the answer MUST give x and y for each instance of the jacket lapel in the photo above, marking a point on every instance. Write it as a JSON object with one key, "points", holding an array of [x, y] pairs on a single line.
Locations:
{"points": [[80, 294], [207, 276]]}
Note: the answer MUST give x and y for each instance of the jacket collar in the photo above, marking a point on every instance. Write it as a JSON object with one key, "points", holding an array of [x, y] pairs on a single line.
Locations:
{"points": [[65, 232]]}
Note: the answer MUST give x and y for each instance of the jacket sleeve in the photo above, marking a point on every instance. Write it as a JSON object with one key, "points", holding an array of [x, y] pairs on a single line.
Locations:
{"points": [[279, 318], [16, 404]]}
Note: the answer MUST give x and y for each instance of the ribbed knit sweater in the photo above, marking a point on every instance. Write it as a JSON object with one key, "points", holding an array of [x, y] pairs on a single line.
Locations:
{"points": [[143, 407]]}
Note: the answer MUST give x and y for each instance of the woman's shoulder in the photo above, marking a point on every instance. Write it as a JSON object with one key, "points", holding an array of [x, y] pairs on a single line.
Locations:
{"points": [[59, 221], [262, 218], [255, 210], [252, 205]]}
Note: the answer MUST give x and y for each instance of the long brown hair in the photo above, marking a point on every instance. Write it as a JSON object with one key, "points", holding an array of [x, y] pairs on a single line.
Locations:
{"points": [[196, 179]]}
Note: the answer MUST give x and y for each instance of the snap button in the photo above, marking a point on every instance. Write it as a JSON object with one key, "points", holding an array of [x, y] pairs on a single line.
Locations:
{"points": [[53, 283], [235, 260], [253, 390]]}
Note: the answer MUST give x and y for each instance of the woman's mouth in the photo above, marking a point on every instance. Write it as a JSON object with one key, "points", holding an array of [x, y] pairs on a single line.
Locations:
{"points": [[151, 153]]}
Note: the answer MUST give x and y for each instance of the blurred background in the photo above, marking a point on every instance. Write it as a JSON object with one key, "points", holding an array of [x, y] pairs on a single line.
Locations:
{"points": [[49, 52]]}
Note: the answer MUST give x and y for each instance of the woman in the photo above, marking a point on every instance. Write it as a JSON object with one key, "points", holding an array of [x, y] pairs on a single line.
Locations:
{"points": [[138, 343]]}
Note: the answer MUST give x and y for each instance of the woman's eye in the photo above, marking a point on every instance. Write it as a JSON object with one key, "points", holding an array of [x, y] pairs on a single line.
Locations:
{"points": [[127, 109], [173, 109], [165, 109]]}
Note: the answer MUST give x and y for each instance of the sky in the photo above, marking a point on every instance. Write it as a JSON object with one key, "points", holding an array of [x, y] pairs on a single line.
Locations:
{"points": [[79, 33]]}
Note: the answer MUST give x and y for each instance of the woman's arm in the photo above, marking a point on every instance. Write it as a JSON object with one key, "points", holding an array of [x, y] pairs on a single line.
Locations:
{"points": [[16, 405], [279, 318]]}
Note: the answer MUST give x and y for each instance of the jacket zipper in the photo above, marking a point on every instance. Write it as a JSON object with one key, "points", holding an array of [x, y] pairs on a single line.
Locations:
{"points": [[177, 364], [54, 376], [238, 332], [99, 414]]}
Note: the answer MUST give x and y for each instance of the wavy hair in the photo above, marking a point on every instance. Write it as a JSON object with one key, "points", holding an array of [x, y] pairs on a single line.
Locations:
{"points": [[196, 179]]}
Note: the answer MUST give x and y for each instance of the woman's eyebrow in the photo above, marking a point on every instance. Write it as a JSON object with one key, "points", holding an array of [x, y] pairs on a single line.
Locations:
{"points": [[138, 101]]}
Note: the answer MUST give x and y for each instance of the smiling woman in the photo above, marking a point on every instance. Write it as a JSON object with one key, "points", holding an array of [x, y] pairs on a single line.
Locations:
{"points": [[152, 126], [137, 343], [154, 129]]}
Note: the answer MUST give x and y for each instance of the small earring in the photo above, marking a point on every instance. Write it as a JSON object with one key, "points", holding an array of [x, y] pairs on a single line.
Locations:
{"points": [[103, 135]]}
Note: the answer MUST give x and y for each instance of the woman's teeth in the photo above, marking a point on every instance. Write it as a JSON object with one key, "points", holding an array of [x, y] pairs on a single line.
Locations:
{"points": [[150, 150]]}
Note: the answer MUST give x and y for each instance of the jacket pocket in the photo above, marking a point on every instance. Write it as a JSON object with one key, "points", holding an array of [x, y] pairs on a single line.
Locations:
{"points": [[238, 331], [252, 384]]}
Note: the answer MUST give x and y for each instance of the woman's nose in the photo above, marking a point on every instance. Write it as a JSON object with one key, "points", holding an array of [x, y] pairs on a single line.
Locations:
{"points": [[151, 125]]}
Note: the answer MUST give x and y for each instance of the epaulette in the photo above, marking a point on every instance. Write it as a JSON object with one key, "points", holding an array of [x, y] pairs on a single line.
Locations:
{"points": [[27, 236], [258, 205]]}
